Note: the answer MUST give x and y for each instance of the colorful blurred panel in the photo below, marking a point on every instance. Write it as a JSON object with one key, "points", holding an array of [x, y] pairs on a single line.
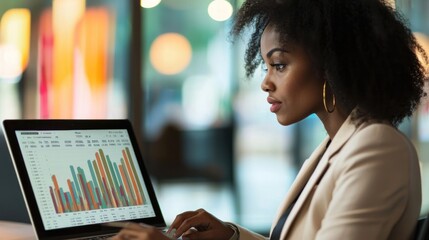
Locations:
{"points": [[45, 58], [14, 43], [91, 63], [60, 58], [65, 16]]}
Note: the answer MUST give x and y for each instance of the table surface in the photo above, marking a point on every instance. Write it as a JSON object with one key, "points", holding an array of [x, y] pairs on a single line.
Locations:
{"points": [[16, 231]]}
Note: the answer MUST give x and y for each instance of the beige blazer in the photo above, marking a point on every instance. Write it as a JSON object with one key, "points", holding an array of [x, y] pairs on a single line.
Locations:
{"points": [[365, 185]]}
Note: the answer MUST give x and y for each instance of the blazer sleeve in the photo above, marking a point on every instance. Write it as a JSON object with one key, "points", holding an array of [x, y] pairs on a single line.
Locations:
{"points": [[374, 173], [246, 234]]}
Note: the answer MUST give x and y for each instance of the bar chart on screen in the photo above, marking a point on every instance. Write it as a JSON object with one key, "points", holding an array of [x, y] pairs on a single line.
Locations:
{"points": [[108, 185], [84, 177]]}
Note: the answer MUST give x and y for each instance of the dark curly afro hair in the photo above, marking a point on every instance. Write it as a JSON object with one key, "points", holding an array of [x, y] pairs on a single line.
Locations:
{"points": [[364, 48]]}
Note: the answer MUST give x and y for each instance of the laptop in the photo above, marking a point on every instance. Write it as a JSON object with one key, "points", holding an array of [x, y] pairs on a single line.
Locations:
{"points": [[77, 176]]}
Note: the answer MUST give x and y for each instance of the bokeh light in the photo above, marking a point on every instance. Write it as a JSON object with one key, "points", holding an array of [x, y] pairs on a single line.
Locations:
{"points": [[220, 10], [149, 3], [170, 53]]}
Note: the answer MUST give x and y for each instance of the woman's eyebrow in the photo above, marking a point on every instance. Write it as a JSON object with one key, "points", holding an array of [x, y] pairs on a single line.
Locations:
{"points": [[270, 53]]}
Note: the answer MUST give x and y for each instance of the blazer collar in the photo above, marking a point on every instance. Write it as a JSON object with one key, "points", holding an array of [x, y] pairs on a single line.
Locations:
{"points": [[313, 171]]}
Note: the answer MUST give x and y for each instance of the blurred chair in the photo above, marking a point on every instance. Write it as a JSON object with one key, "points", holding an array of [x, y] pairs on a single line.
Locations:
{"points": [[422, 232], [12, 205], [203, 155]]}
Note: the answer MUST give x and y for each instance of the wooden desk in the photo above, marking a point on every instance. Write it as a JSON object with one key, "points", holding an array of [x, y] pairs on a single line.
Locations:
{"points": [[16, 231]]}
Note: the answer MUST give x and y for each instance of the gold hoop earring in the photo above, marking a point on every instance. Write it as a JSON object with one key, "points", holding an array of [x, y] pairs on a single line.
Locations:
{"points": [[324, 100]]}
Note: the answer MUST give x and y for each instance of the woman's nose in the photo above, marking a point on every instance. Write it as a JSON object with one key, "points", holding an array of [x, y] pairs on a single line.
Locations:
{"points": [[266, 84]]}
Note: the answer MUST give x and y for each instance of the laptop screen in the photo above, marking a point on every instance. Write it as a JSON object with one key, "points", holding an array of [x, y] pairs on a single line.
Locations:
{"points": [[79, 174], [82, 177]]}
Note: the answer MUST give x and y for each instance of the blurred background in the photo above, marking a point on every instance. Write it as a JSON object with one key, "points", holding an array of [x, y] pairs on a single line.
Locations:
{"points": [[206, 132]]}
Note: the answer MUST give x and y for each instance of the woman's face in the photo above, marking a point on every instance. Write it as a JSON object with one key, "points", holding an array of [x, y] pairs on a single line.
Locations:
{"points": [[293, 85]]}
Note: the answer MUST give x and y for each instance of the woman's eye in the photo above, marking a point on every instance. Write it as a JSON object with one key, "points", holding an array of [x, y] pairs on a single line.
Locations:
{"points": [[278, 66]]}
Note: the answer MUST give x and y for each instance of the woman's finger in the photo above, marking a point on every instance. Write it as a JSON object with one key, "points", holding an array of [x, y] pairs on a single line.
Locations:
{"points": [[200, 220], [135, 232], [180, 218], [207, 235]]}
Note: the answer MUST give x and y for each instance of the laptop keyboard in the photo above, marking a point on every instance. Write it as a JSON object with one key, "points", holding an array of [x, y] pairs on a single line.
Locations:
{"points": [[98, 237], [108, 236]]}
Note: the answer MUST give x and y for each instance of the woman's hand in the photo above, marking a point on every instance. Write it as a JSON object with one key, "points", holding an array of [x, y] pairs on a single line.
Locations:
{"points": [[200, 224], [134, 231]]}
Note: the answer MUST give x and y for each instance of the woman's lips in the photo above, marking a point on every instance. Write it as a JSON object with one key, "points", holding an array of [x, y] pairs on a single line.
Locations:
{"points": [[275, 105]]}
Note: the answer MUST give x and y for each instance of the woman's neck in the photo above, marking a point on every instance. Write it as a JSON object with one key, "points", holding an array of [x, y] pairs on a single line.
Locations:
{"points": [[332, 121]]}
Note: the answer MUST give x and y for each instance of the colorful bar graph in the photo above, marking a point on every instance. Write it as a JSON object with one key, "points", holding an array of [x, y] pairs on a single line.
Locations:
{"points": [[108, 185]]}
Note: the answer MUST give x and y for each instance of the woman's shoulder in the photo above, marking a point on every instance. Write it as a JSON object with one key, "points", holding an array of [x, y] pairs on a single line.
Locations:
{"points": [[378, 151], [381, 133], [381, 141]]}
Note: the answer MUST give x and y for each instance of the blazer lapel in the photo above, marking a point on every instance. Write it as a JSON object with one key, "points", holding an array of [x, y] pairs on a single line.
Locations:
{"points": [[301, 179], [318, 164]]}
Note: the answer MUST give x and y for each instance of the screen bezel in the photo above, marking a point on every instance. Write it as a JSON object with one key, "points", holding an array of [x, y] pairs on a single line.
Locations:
{"points": [[10, 127]]}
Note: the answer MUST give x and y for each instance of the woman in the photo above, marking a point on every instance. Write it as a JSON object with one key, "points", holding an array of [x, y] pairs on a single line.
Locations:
{"points": [[352, 63]]}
